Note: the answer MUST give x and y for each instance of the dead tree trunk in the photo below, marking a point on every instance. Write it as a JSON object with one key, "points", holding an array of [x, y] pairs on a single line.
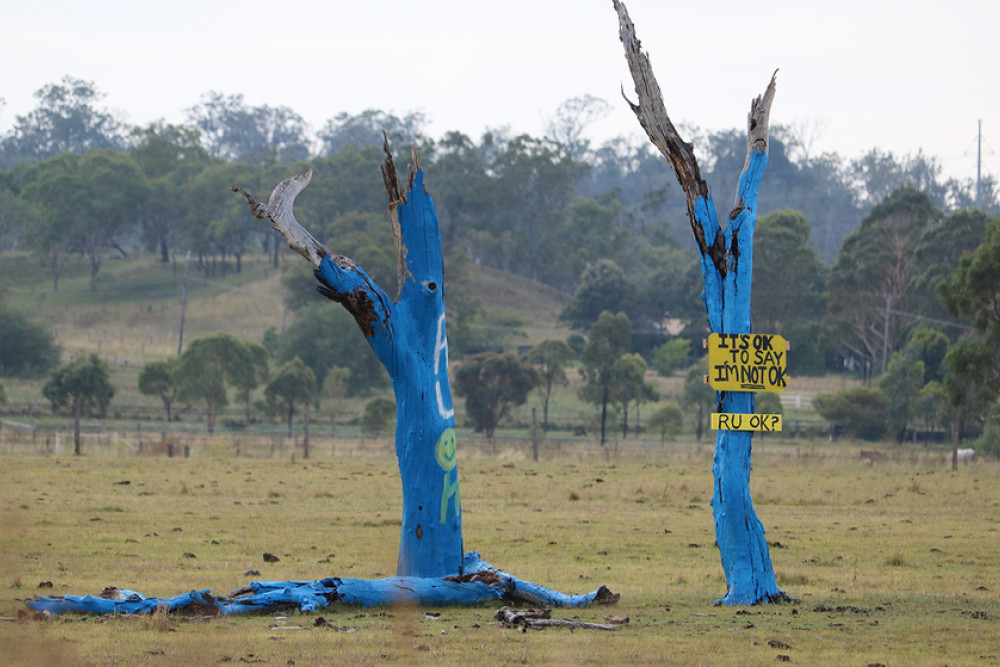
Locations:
{"points": [[726, 263], [408, 335]]}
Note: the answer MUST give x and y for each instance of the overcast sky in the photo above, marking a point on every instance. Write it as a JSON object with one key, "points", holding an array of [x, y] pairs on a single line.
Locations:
{"points": [[855, 74]]}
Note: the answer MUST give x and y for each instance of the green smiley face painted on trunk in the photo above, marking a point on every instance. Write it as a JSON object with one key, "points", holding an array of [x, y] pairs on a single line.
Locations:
{"points": [[445, 450]]}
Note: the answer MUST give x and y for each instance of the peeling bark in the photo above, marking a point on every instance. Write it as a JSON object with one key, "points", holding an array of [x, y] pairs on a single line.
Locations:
{"points": [[391, 178]]}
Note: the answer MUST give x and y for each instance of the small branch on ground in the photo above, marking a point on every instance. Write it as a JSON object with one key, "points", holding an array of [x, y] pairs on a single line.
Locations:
{"points": [[535, 619]]}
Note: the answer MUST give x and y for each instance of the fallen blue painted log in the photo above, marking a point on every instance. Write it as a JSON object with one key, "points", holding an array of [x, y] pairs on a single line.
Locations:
{"points": [[480, 582]]}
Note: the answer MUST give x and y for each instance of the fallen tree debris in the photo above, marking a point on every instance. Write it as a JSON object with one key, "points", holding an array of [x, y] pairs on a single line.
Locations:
{"points": [[536, 619]]}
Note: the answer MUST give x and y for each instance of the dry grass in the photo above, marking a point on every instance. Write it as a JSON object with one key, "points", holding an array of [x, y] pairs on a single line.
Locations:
{"points": [[895, 563]]}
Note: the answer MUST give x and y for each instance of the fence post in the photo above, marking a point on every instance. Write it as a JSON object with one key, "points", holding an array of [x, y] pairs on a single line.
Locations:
{"points": [[534, 435]]}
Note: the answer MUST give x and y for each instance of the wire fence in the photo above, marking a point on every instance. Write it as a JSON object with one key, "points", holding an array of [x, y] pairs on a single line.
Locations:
{"points": [[20, 438]]}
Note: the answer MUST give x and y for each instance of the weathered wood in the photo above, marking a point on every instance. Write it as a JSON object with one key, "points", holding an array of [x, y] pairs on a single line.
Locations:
{"points": [[278, 211], [410, 339], [540, 619], [726, 252]]}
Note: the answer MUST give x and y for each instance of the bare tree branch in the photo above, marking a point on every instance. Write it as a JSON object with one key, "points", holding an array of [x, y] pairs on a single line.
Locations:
{"points": [[278, 211], [758, 120], [652, 113], [538, 619]]}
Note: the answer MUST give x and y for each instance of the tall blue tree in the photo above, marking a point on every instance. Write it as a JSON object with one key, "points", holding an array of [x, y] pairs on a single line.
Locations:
{"points": [[727, 268], [408, 335]]}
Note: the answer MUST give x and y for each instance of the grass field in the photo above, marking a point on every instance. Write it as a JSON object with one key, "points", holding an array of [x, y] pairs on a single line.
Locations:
{"points": [[895, 564]]}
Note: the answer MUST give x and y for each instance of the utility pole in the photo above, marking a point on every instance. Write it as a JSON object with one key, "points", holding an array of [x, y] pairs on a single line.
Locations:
{"points": [[979, 167], [184, 304]]}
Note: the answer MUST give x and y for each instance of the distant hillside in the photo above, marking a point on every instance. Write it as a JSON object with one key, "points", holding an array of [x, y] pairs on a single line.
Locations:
{"points": [[134, 312], [535, 305]]}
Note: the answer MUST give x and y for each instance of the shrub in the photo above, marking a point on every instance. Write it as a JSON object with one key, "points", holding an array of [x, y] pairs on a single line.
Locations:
{"points": [[861, 412], [26, 349]]}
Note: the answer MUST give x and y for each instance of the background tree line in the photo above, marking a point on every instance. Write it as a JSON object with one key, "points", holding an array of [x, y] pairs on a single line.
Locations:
{"points": [[855, 259]]}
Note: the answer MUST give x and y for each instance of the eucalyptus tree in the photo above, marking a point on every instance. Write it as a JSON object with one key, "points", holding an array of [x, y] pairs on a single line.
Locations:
{"points": [[208, 367], [603, 286], [972, 376], [609, 339], [666, 421], [363, 129], [325, 337], [869, 288], [214, 223], [293, 385], [788, 277], [699, 397], [550, 358], [82, 385], [117, 192], [233, 131], [492, 384], [54, 188], [88, 203], [259, 375], [170, 156], [66, 118], [156, 379], [27, 349], [629, 386], [568, 125]]}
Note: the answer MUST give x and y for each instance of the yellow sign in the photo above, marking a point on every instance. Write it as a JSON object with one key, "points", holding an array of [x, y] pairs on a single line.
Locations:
{"points": [[722, 421], [747, 362]]}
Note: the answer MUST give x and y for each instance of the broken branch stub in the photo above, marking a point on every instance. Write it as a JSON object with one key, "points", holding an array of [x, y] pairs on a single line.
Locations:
{"points": [[391, 178], [278, 211], [758, 125]]}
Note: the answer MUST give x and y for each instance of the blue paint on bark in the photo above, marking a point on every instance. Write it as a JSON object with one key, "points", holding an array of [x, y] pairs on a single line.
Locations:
{"points": [[480, 583], [739, 533], [410, 339]]}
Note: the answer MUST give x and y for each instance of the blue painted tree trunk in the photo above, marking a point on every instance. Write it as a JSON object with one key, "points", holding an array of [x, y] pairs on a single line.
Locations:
{"points": [[410, 339], [739, 533], [727, 270]]}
